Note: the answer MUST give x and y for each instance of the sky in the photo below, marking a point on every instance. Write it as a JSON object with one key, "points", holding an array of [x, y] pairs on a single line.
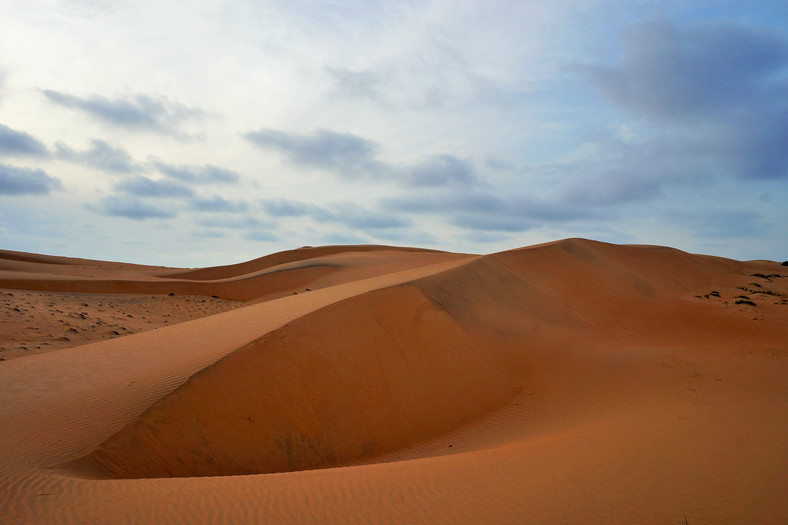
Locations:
{"points": [[204, 132]]}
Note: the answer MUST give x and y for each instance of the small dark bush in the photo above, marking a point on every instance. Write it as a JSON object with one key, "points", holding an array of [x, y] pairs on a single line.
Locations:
{"points": [[785, 263], [770, 292], [745, 301]]}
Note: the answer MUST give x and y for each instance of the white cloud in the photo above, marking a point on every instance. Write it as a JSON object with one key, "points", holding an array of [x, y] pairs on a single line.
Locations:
{"points": [[377, 121]]}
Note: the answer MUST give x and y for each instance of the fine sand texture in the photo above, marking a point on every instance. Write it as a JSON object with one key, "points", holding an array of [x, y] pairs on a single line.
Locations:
{"points": [[568, 382]]}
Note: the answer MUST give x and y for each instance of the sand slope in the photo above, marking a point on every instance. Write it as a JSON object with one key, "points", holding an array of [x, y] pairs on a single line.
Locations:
{"points": [[571, 382]]}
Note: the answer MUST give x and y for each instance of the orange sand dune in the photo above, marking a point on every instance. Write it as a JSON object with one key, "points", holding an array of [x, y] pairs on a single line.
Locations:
{"points": [[291, 256], [266, 277], [571, 382]]}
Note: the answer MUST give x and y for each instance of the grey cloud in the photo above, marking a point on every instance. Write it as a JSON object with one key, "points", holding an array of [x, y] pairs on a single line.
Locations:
{"points": [[356, 84], [441, 170], [680, 73], [26, 181], [440, 202], [140, 186], [499, 164], [547, 210], [359, 218], [717, 87], [234, 222], [721, 223], [20, 144], [353, 157], [99, 155], [156, 113], [286, 208], [261, 235], [344, 153], [623, 182], [347, 214], [636, 173], [205, 174], [217, 203], [755, 145], [488, 212], [130, 208]]}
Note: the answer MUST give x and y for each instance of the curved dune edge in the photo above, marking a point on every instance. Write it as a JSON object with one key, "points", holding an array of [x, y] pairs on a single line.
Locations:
{"points": [[344, 383], [625, 396], [263, 278], [287, 257]]}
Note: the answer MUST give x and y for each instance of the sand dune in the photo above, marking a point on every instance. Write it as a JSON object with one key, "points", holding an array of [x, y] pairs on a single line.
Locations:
{"points": [[266, 277], [571, 382]]}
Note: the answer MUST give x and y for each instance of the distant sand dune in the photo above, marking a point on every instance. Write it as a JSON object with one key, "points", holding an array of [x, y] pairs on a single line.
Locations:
{"points": [[570, 382], [266, 277]]}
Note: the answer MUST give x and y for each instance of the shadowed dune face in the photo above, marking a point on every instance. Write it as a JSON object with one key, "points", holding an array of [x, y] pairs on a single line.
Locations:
{"points": [[365, 376]]}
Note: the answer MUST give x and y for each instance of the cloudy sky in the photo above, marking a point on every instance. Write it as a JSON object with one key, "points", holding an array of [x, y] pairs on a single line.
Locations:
{"points": [[200, 132]]}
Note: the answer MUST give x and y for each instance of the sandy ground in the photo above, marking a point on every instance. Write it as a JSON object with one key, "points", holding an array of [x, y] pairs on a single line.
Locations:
{"points": [[571, 382], [37, 322]]}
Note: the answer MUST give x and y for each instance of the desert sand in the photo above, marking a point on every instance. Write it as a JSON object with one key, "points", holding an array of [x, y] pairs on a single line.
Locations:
{"points": [[569, 382]]}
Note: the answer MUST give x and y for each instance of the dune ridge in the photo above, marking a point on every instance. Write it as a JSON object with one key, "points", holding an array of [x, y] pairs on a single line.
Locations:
{"points": [[266, 277], [288, 256], [574, 381]]}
